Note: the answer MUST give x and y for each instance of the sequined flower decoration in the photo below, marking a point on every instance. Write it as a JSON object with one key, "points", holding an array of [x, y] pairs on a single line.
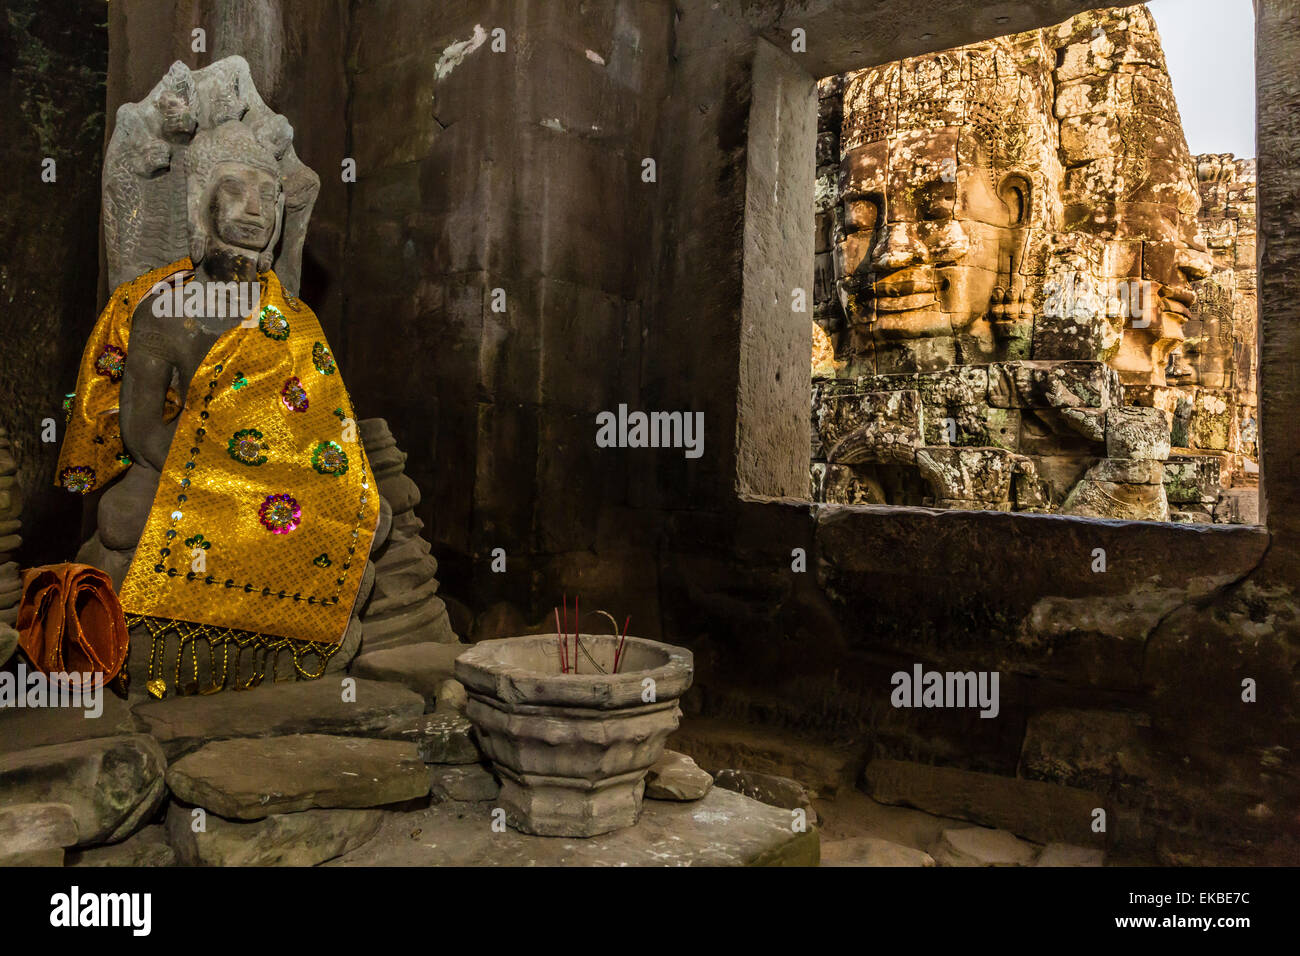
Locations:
{"points": [[323, 358], [322, 560], [246, 446], [239, 382], [198, 541], [273, 323], [279, 514], [111, 362], [124, 459], [79, 479], [329, 458], [294, 395], [67, 406]]}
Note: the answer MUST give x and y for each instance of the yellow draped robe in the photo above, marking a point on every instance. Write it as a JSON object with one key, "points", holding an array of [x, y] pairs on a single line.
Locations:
{"points": [[266, 508]]}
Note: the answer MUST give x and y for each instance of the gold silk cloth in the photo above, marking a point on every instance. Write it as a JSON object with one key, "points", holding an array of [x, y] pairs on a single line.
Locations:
{"points": [[266, 508]]}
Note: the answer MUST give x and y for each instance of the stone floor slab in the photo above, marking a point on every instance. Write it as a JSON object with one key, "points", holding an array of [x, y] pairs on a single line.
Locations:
{"points": [[248, 779], [722, 829], [282, 839], [420, 667]]}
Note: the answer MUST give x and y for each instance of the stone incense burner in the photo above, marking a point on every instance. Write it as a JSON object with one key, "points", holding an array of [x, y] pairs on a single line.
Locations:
{"points": [[572, 749]]}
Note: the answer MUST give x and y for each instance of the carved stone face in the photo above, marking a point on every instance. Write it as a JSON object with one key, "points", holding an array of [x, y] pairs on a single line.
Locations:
{"points": [[244, 206], [928, 237]]}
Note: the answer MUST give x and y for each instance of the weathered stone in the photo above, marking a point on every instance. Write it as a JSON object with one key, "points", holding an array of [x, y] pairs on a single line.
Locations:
{"points": [[452, 697], [1064, 854], [767, 788], [675, 776], [722, 829], [419, 667], [977, 846], [53, 856], [1136, 432], [183, 724], [1130, 471], [8, 643], [1038, 811], [148, 847], [1046, 384], [872, 851], [251, 779], [25, 827], [1192, 479], [23, 728], [870, 427], [281, 839], [443, 737], [112, 784], [468, 782], [1087, 749], [1121, 501], [968, 474]]}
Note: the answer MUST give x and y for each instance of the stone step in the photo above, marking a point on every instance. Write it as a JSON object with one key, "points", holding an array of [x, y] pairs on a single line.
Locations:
{"points": [[249, 779], [419, 667], [183, 724], [722, 829], [22, 728], [112, 784], [1042, 812], [281, 839]]}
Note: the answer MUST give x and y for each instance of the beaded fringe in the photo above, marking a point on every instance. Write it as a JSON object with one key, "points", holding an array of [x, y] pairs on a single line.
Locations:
{"points": [[261, 647]]}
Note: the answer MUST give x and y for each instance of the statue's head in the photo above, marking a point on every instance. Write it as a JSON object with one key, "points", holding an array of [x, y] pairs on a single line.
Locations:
{"points": [[942, 175], [1130, 185], [235, 197]]}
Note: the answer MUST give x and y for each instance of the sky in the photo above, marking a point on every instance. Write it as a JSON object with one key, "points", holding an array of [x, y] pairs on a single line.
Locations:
{"points": [[1210, 48]]}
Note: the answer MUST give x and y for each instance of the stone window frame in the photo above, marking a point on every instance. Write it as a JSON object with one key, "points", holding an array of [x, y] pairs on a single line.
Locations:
{"points": [[774, 388]]}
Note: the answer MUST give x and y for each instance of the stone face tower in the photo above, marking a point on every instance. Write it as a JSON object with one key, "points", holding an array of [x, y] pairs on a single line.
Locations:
{"points": [[1008, 253]]}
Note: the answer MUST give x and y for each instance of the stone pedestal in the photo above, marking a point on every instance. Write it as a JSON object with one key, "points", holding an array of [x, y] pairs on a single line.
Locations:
{"points": [[404, 607]]}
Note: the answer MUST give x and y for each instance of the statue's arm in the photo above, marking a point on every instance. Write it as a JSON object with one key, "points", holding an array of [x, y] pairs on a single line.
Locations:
{"points": [[148, 373]]}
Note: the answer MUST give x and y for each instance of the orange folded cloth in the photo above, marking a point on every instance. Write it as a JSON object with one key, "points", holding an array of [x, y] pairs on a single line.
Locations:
{"points": [[70, 621]]}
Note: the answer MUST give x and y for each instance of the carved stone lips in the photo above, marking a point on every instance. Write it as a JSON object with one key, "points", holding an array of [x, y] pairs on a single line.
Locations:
{"points": [[1178, 302], [903, 294]]}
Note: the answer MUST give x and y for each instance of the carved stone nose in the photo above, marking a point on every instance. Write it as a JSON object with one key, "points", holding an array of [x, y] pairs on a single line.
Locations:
{"points": [[897, 249]]}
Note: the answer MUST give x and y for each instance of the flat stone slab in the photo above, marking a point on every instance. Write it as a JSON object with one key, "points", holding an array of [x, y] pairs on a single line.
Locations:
{"points": [[183, 724], [282, 839], [112, 784], [977, 846], [419, 667], [443, 737], [716, 744], [872, 851], [25, 827], [675, 776], [248, 779], [722, 829], [148, 847], [22, 728]]}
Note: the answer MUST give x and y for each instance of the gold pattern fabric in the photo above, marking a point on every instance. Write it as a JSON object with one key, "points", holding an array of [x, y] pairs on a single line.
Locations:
{"points": [[266, 508]]}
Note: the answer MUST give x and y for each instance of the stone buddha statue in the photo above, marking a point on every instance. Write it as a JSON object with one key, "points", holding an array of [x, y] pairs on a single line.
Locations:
{"points": [[945, 185], [243, 510]]}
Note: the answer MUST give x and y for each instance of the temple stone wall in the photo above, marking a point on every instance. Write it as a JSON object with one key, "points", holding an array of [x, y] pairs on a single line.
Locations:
{"points": [[53, 58], [524, 173]]}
